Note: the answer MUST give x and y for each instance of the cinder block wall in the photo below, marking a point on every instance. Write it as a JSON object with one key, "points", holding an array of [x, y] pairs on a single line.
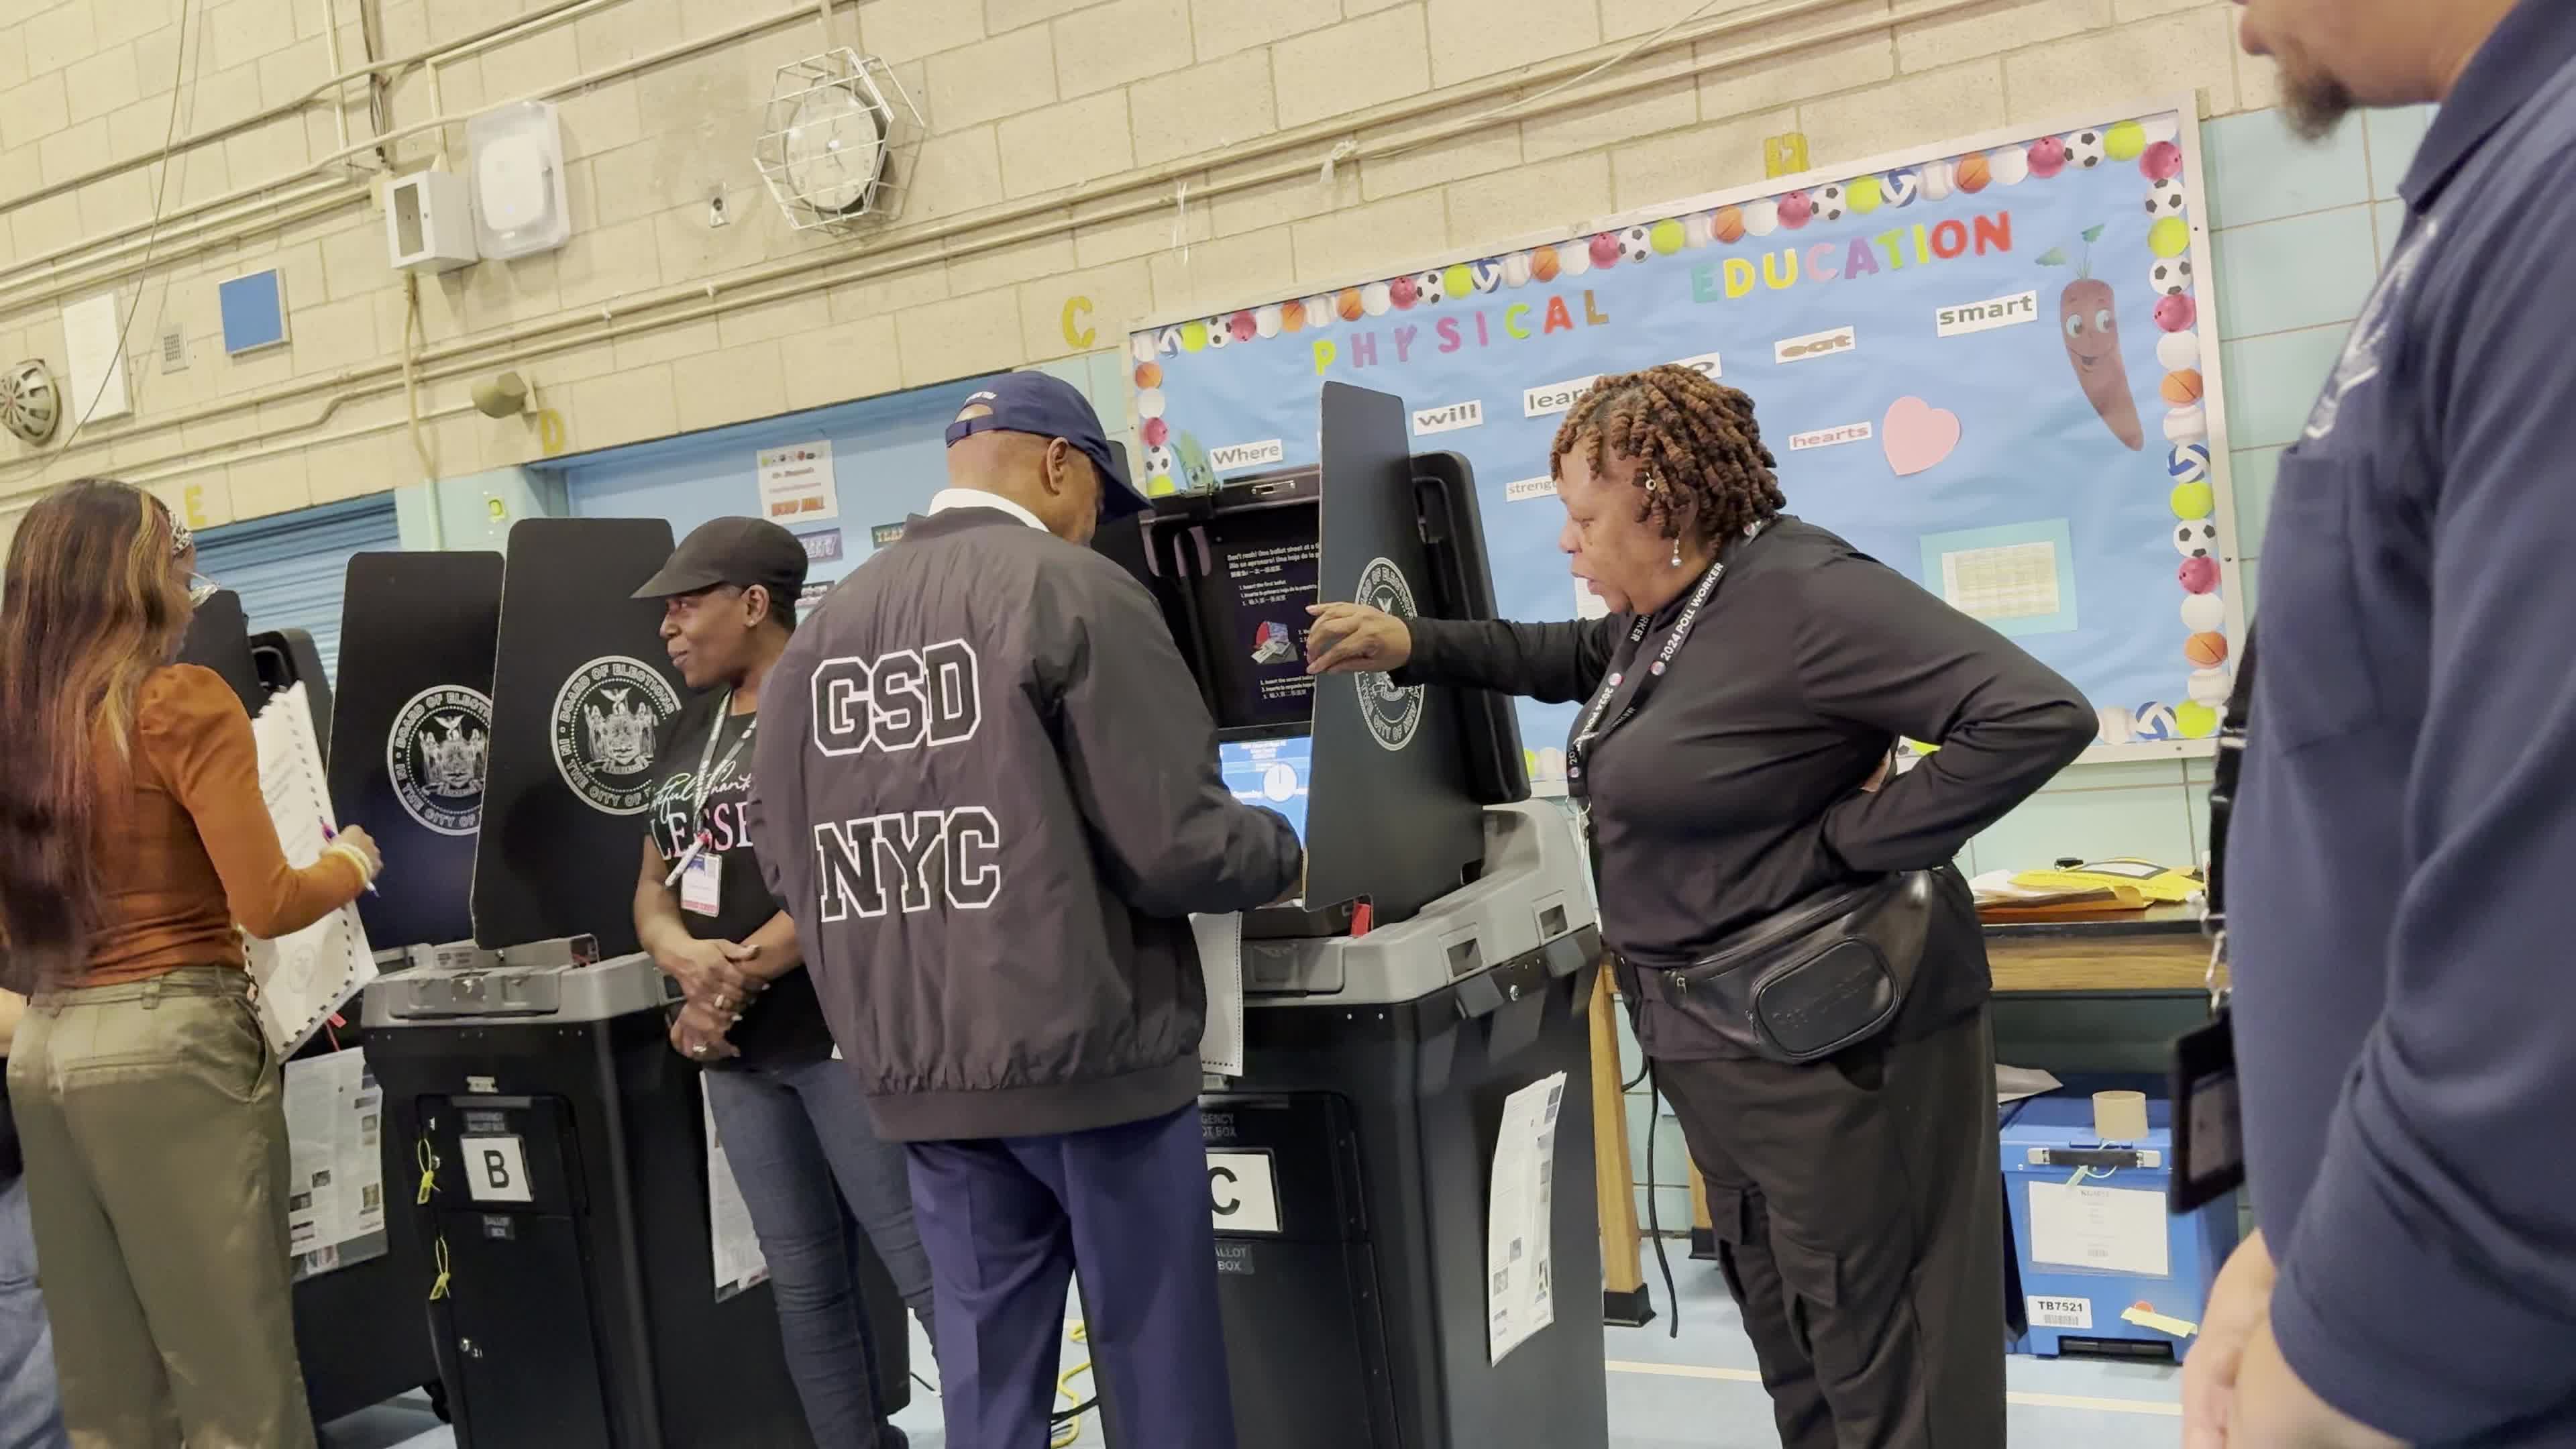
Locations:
{"points": [[1136, 113]]}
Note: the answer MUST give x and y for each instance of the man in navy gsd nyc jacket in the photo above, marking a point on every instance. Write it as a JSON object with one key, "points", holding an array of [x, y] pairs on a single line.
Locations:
{"points": [[990, 799]]}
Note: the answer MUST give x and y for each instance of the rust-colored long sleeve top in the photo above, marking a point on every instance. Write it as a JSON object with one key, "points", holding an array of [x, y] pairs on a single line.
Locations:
{"points": [[189, 849]]}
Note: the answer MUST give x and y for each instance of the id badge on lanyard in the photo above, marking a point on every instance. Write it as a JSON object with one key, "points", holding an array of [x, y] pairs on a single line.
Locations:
{"points": [[702, 882], [1578, 750], [2208, 1107], [700, 871]]}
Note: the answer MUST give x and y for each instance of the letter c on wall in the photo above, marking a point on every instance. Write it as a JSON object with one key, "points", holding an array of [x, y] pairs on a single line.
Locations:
{"points": [[1075, 334]]}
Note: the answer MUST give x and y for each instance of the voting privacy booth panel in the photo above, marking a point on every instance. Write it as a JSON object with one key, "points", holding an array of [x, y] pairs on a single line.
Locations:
{"points": [[598, 1285], [361, 1328], [1390, 1244]]}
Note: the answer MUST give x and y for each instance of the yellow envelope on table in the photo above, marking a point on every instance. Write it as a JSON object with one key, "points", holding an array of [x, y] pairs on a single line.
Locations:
{"points": [[2153, 881]]}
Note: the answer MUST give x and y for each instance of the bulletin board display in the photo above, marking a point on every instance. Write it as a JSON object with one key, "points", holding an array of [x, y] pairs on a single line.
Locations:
{"points": [[1989, 363]]}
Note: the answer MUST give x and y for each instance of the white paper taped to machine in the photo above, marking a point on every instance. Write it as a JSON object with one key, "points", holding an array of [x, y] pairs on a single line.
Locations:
{"points": [[1220, 940]]}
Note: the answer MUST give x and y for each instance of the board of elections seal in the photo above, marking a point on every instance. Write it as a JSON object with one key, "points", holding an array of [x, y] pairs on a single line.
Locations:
{"points": [[435, 756], [1393, 713], [605, 718]]}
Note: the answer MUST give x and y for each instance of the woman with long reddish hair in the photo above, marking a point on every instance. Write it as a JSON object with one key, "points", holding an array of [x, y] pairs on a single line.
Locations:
{"points": [[133, 838]]}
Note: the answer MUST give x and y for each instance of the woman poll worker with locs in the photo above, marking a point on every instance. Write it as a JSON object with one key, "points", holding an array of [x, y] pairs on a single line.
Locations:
{"points": [[794, 1122], [1805, 967], [149, 1106]]}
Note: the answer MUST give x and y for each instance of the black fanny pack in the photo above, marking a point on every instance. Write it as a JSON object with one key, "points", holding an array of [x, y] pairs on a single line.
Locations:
{"points": [[1824, 975]]}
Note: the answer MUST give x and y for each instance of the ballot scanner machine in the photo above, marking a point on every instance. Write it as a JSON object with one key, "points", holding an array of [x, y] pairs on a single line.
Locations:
{"points": [[1398, 1268], [595, 1282], [360, 1329]]}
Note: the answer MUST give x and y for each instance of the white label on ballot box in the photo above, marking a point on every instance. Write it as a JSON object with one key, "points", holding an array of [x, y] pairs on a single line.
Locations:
{"points": [[1243, 1192], [2106, 1229], [496, 1169], [2060, 1312]]}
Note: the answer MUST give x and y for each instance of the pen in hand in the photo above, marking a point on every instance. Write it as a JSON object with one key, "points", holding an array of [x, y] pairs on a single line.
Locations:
{"points": [[329, 835]]}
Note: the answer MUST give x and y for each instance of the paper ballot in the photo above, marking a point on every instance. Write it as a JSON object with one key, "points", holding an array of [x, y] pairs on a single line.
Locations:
{"points": [[304, 977], [1220, 941], [739, 1263], [1520, 1276]]}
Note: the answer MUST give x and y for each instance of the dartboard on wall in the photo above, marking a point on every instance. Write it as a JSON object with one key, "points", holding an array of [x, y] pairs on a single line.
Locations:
{"points": [[30, 405]]}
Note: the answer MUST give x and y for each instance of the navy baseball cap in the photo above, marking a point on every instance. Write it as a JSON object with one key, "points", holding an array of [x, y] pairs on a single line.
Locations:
{"points": [[1048, 407]]}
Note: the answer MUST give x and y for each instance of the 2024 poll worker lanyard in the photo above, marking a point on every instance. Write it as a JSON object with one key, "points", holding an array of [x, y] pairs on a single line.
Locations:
{"points": [[698, 872], [1579, 749], [2208, 1120]]}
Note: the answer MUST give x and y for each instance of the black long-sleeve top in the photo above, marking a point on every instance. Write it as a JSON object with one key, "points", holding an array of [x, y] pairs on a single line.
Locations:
{"points": [[1735, 791]]}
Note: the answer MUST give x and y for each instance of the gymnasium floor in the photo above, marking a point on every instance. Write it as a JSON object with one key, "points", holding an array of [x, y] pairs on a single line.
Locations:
{"points": [[1697, 1392]]}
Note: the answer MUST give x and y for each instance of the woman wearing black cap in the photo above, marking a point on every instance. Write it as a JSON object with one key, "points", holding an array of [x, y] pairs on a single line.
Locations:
{"points": [[1844, 1117], [794, 1123]]}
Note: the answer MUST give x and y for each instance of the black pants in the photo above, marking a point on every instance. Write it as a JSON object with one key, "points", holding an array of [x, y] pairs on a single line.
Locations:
{"points": [[1859, 1226]]}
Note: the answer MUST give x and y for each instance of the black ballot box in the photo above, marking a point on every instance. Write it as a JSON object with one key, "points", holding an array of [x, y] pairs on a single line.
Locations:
{"points": [[1385, 1171], [570, 1207], [572, 1202]]}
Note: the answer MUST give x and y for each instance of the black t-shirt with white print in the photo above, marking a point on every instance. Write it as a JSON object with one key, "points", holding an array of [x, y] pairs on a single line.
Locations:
{"points": [[784, 1025]]}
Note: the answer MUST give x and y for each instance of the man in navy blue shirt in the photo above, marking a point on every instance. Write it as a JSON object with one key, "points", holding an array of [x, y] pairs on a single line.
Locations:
{"points": [[2404, 845]]}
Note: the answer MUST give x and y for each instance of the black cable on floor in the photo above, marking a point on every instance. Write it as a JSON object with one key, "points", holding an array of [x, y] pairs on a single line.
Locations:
{"points": [[1654, 1209]]}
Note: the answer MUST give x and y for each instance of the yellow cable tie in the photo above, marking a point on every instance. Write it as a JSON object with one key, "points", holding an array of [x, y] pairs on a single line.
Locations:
{"points": [[438, 1255]]}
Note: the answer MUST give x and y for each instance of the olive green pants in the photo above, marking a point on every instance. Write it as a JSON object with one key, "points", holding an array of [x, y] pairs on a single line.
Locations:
{"points": [[153, 1119]]}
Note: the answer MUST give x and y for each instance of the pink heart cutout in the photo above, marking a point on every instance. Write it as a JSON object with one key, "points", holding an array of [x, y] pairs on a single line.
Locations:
{"points": [[1917, 435]]}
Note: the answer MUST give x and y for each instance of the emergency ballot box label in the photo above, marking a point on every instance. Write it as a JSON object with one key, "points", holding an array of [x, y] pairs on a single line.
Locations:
{"points": [[1243, 1192]]}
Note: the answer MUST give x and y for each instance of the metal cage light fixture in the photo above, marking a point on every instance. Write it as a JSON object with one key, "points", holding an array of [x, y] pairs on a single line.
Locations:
{"points": [[838, 140]]}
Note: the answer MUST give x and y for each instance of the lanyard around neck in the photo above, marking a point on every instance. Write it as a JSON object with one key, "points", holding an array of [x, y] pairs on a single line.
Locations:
{"points": [[708, 765], [1578, 750]]}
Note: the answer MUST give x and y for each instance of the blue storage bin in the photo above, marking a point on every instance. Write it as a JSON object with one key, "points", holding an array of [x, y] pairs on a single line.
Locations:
{"points": [[2092, 1234]]}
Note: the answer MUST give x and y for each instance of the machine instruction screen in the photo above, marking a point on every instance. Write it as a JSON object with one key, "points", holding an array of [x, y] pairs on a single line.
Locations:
{"points": [[1270, 773], [1263, 579]]}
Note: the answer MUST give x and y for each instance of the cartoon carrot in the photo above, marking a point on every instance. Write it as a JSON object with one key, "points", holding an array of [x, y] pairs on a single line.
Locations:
{"points": [[2090, 328]]}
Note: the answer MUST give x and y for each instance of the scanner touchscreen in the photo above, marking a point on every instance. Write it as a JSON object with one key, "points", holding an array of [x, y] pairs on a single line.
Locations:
{"points": [[1270, 773]]}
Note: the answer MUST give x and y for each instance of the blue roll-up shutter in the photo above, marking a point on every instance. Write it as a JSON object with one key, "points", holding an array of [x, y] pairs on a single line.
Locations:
{"points": [[291, 570]]}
